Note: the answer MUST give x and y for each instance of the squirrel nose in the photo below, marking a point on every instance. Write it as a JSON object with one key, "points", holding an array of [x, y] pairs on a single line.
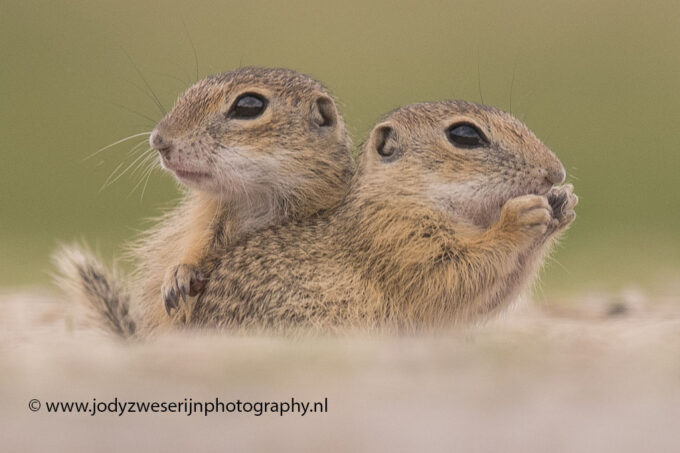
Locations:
{"points": [[556, 175], [159, 143]]}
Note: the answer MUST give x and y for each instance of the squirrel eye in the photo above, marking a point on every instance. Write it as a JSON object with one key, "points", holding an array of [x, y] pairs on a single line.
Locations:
{"points": [[248, 106], [466, 135]]}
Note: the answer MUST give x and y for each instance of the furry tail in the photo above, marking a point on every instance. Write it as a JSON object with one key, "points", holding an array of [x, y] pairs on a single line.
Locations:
{"points": [[86, 280]]}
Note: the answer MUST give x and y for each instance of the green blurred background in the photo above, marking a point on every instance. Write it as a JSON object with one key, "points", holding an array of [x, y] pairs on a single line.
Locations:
{"points": [[597, 81]]}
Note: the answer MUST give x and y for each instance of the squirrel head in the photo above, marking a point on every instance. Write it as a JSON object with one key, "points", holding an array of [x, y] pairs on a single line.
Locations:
{"points": [[463, 159], [257, 132]]}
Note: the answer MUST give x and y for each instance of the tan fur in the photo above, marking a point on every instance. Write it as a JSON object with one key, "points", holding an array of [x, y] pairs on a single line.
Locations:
{"points": [[194, 244], [434, 234], [241, 175]]}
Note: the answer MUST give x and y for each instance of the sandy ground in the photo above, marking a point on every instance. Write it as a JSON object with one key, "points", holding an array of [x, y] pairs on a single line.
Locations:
{"points": [[602, 374]]}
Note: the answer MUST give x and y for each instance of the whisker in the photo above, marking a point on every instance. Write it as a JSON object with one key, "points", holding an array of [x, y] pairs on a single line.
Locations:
{"points": [[141, 178], [148, 175], [184, 74], [553, 260], [141, 76], [479, 83], [538, 285], [114, 144], [139, 114], [512, 83], [191, 42], [170, 76], [108, 183], [136, 147], [150, 156], [150, 166], [111, 175], [530, 99]]}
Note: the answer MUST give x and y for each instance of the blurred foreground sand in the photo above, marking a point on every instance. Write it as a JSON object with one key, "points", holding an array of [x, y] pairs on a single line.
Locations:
{"points": [[602, 374]]}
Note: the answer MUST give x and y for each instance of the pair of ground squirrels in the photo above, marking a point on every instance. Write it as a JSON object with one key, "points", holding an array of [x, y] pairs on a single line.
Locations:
{"points": [[446, 219]]}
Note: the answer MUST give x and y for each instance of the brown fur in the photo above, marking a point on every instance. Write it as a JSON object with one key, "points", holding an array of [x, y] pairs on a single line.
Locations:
{"points": [[291, 162], [434, 235]]}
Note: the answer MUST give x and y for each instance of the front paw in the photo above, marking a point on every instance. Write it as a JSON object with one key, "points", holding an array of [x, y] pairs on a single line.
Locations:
{"points": [[528, 217], [181, 281], [563, 201]]}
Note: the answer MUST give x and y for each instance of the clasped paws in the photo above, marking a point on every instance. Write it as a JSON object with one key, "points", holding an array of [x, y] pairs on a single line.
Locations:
{"points": [[538, 216]]}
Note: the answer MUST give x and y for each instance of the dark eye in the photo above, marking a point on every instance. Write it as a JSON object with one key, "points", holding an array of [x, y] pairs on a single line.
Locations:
{"points": [[248, 106], [466, 135]]}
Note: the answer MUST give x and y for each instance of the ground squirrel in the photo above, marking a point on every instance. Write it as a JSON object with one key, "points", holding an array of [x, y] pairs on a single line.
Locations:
{"points": [[451, 209], [255, 147]]}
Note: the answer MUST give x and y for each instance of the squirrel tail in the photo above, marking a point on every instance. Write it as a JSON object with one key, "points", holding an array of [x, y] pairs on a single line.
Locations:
{"points": [[83, 278]]}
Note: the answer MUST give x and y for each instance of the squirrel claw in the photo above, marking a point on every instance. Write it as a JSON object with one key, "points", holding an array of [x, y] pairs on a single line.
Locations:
{"points": [[170, 301], [181, 281], [562, 200]]}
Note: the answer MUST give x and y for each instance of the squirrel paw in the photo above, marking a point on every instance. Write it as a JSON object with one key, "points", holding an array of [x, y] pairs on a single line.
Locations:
{"points": [[528, 215], [181, 281], [562, 200]]}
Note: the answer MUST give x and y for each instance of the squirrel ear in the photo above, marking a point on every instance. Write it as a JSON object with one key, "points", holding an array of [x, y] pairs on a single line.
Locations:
{"points": [[324, 112], [383, 140]]}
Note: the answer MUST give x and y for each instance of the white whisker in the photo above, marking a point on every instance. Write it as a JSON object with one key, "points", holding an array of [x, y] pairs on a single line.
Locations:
{"points": [[141, 177], [148, 175], [136, 147], [115, 143], [108, 182], [142, 164], [111, 175]]}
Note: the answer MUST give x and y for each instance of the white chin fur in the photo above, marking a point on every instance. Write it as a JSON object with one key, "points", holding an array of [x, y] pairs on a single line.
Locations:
{"points": [[466, 201]]}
